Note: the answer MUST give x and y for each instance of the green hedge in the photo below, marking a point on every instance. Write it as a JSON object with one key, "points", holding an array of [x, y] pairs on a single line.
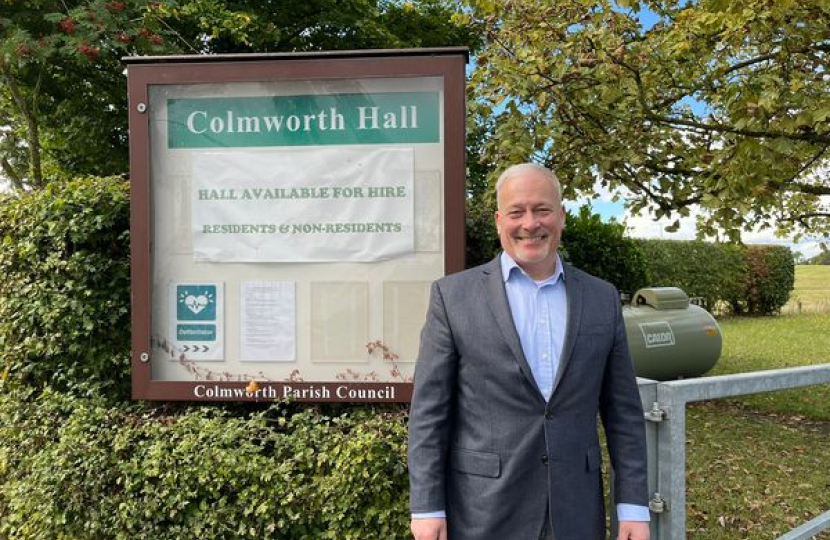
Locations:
{"points": [[64, 292], [754, 280], [79, 468], [709, 271], [603, 250], [769, 280]]}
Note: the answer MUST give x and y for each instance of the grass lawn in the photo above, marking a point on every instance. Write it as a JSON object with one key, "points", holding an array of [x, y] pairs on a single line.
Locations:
{"points": [[760, 343], [753, 476], [812, 290], [758, 466]]}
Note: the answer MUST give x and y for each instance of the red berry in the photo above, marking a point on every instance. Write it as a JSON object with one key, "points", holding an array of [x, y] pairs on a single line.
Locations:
{"points": [[90, 52], [68, 25], [115, 7]]}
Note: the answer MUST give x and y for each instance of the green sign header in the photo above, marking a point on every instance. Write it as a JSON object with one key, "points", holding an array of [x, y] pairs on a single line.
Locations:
{"points": [[329, 119]]}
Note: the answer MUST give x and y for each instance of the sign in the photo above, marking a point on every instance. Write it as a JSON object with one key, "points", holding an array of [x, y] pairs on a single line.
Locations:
{"points": [[657, 334], [327, 119], [322, 205], [196, 320], [289, 214]]}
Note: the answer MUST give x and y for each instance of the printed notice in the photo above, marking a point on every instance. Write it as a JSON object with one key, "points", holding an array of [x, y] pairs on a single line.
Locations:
{"points": [[325, 205], [196, 320], [267, 321]]}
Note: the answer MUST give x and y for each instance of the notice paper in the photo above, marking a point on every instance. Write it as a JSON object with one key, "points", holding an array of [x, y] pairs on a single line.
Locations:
{"points": [[268, 321], [325, 205]]}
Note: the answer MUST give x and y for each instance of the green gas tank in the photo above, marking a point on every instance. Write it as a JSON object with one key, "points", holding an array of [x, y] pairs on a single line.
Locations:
{"points": [[669, 337]]}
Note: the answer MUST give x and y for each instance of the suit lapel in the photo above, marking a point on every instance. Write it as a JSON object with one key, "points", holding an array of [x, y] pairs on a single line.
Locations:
{"points": [[500, 307], [573, 288]]}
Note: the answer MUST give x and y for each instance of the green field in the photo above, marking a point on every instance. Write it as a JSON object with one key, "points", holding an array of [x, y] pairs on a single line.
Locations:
{"points": [[812, 290], [758, 466], [760, 343]]}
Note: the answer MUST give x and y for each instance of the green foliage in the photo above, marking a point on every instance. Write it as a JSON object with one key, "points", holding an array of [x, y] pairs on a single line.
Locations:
{"points": [[482, 239], [602, 249], [720, 105], [769, 280], [78, 468], [219, 26], [64, 296], [63, 95], [482, 242], [754, 280], [712, 272]]}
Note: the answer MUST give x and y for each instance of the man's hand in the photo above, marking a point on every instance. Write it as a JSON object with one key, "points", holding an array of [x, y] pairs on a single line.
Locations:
{"points": [[431, 529], [633, 530]]}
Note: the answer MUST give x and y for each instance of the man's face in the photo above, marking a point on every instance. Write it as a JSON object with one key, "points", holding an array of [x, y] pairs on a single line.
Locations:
{"points": [[530, 220]]}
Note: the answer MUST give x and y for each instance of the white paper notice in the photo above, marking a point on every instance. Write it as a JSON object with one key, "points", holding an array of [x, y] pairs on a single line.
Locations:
{"points": [[268, 321], [318, 205]]}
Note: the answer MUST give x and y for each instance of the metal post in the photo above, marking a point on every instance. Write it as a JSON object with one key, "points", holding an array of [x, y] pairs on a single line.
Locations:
{"points": [[671, 456], [669, 416], [648, 395]]}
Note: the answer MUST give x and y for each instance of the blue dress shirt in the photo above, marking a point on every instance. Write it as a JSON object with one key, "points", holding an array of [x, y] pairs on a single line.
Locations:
{"points": [[540, 314]]}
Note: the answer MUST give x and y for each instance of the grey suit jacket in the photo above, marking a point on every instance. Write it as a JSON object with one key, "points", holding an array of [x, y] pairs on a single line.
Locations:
{"points": [[483, 443]]}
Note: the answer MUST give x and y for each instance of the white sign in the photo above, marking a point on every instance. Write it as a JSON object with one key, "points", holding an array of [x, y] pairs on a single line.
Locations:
{"points": [[267, 321], [316, 205]]}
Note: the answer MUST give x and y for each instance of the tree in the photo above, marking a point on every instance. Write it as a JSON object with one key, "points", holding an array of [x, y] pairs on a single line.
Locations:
{"points": [[721, 105], [220, 26], [63, 94], [823, 257]]}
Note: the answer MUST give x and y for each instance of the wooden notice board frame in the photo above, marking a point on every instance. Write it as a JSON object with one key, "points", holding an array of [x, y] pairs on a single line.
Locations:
{"points": [[160, 370]]}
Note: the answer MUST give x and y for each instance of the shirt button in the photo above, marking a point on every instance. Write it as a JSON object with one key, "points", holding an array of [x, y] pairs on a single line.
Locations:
{"points": [[545, 460], [549, 415]]}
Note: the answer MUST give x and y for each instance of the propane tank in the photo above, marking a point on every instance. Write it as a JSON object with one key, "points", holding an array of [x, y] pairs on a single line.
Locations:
{"points": [[670, 338]]}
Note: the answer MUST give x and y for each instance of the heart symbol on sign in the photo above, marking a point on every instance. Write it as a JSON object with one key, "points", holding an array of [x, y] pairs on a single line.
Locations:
{"points": [[196, 303]]}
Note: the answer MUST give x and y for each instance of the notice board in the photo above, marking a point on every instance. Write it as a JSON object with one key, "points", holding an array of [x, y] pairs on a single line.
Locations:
{"points": [[289, 213]]}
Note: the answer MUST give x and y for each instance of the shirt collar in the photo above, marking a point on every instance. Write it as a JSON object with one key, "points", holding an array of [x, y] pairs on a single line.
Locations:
{"points": [[508, 265]]}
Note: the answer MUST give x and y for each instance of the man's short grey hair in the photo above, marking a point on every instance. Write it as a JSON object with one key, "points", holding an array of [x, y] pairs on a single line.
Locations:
{"points": [[524, 168]]}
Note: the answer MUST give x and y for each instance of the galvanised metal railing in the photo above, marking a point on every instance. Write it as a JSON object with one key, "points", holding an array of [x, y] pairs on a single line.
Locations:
{"points": [[665, 409]]}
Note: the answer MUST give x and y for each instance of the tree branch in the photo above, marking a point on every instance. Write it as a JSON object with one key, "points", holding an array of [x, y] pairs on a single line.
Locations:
{"points": [[11, 174], [810, 189], [815, 138], [32, 131], [648, 111]]}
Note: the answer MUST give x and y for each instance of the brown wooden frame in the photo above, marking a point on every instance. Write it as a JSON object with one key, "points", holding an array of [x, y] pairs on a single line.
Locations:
{"points": [[144, 72]]}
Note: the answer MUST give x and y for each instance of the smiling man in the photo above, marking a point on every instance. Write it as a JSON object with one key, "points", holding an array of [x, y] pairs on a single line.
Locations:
{"points": [[517, 359]]}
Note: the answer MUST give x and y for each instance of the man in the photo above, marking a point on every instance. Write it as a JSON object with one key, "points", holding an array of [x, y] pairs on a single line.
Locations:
{"points": [[518, 356]]}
